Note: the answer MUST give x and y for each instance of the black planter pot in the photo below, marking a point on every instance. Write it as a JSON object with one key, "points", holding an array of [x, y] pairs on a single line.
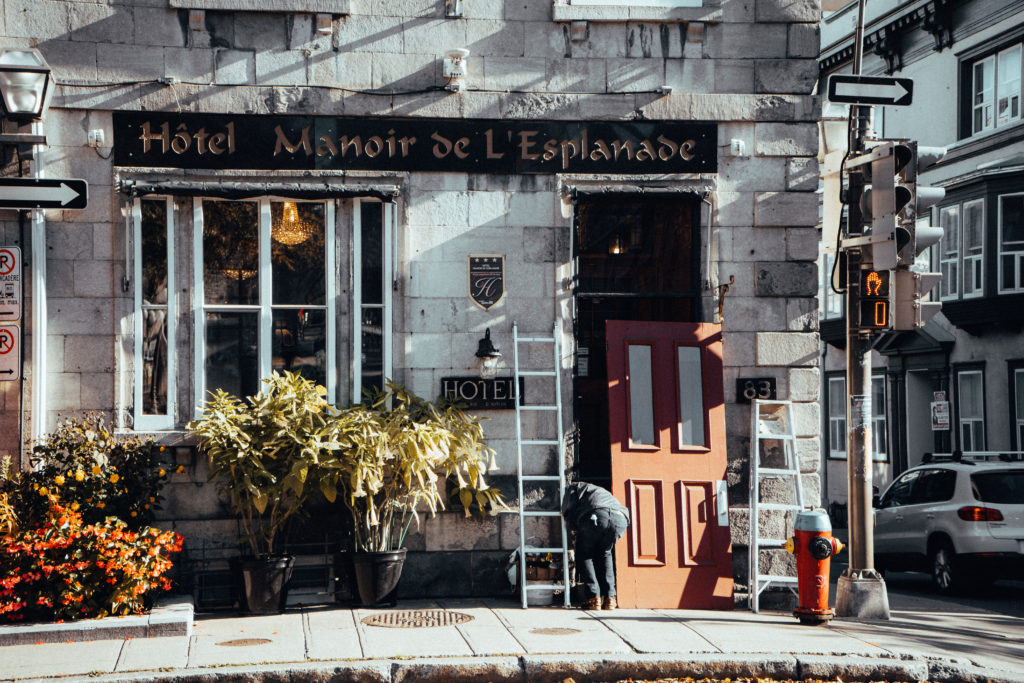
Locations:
{"points": [[263, 583], [377, 576]]}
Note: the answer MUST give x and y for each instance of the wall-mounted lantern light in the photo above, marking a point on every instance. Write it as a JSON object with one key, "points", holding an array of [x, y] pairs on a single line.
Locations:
{"points": [[487, 355], [25, 84], [25, 88]]}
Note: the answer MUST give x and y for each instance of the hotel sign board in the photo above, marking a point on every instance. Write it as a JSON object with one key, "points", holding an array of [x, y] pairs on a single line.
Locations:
{"points": [[305, 143], [482, 393]]}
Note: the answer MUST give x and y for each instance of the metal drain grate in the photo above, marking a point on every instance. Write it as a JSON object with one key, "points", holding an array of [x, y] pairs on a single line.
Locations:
{"points": [[556, 631], [417, 618], [245, 642]]}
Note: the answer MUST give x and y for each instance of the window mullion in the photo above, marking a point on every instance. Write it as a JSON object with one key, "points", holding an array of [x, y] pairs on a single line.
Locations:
{"points": [[198, 301], [265, 290], [329, 245], [357, 300]]}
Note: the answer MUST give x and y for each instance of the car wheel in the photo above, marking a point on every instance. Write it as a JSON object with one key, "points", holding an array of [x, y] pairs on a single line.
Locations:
{"points": [[945, 569]]}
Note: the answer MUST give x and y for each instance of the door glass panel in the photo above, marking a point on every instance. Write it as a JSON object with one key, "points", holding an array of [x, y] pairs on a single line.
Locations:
{"points": [[372, 234], [372, 362], [297, 252], [691, 397], [232, 353], [231, 252], [300, 343], [641, 395]]}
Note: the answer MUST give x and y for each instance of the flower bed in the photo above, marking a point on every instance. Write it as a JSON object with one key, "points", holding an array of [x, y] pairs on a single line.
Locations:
{"points": [[66, 569]]}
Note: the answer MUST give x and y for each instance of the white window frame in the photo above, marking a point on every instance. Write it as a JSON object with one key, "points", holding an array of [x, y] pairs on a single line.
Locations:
{"points": [[837, 420], [265, 306], [949, 255], [831, 302], [1016, 254], [1018, 384], [387, 274], [972, 268], [999, 88], [142, 422], [974, 424]]}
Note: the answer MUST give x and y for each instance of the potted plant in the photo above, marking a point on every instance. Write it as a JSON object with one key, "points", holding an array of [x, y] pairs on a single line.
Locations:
{"points": [[265, 454], [393, 452]]}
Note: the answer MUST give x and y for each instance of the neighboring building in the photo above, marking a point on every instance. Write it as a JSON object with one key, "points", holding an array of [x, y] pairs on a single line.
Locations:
{"points": [[301, 186], [965, 60]]}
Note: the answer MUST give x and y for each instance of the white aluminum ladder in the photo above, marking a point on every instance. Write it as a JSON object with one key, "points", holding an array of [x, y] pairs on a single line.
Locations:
{"points": [[772, 430], [543, 441]]}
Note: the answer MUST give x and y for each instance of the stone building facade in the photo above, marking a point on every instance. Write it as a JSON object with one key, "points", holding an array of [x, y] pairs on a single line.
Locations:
{"points": [[180, 89]]}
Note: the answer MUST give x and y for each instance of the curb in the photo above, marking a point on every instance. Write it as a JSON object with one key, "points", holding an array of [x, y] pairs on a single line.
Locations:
{"points": [[171, 617], [581, 668]]}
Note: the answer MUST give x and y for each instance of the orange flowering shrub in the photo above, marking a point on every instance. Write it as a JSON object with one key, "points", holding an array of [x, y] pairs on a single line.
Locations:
{"points": [[93, 471], [66, 569]]}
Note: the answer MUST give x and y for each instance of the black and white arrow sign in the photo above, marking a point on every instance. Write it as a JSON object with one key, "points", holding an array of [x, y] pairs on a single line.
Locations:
{"points": [[870, 90], [43, 193]]}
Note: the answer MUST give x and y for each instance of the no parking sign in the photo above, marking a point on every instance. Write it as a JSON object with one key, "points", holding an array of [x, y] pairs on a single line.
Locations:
{"points": [[10, 352]]}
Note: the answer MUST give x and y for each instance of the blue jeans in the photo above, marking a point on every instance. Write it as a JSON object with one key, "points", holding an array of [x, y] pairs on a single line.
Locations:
{"points": [[595, 538]]}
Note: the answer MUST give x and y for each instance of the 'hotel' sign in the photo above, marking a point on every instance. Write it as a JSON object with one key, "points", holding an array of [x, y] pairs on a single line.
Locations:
{"points": [[492, 393], [272, 142]]}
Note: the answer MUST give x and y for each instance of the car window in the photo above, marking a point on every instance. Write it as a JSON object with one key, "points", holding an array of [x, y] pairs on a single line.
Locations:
{"points": [[934, 486], [999, 487], [900, 491]]}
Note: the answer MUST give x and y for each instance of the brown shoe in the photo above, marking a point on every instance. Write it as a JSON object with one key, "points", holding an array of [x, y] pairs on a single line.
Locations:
{"points": [[610, 603], [592, 603]]}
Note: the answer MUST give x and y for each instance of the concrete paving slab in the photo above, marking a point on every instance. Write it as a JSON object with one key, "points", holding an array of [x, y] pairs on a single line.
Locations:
{"points": [[778, 636], [332, 634], [985, 638], [247, 640], [64, 659], [142, 654], [647, 631], [490, 640], [441, 641]]}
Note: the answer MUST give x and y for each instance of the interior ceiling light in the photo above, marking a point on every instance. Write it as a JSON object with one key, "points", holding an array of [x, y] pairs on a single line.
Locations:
{"points": [[290, 229], [237, 273]]}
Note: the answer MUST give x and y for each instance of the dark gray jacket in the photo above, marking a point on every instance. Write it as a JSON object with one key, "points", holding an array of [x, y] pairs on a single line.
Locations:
{"points": [[581, 499]]}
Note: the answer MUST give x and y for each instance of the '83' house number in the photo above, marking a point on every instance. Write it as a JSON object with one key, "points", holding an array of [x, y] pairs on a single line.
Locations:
{"points": [[750, 388]]}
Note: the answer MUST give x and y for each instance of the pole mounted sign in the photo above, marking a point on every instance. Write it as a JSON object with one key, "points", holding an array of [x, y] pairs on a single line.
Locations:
{"points": [[844, 89], [10, 284], [43, 193], [10, 353]]}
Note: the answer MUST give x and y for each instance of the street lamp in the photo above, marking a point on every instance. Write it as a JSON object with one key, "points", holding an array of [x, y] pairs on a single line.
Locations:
{"points": [[25, 88]]}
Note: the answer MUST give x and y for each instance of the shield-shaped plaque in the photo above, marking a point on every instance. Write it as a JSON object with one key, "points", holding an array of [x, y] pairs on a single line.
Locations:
{"points": [[487, 279]]}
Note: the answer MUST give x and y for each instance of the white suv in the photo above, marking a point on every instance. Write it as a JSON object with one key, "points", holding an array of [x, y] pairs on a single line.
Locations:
{"points": [[961, 521]]}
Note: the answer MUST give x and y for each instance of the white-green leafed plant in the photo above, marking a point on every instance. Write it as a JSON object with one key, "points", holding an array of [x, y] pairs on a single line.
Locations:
{"points": [[394, 454], [266, 453]]}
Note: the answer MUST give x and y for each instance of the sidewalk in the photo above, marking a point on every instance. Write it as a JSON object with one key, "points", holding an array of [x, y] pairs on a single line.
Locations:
{"points": [[499, 641]]}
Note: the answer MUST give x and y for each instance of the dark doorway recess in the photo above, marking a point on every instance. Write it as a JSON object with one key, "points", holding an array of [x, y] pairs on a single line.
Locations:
{"points": [[637, 258]]}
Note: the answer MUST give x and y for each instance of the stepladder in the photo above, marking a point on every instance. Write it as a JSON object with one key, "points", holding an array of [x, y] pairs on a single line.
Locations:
{"points": [[776, 494], [540, 463]]}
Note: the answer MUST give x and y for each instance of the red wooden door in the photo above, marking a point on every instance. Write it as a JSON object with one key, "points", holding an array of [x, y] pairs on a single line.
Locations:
{"points": [[667, 429]]}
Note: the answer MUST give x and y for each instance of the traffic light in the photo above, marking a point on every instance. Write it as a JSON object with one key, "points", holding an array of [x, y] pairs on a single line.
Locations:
{"points": [[886, 195], [910, 310], [874, 299]]}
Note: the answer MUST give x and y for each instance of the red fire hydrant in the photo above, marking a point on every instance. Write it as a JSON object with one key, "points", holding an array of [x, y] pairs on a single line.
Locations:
{"points": [[813, 545]]}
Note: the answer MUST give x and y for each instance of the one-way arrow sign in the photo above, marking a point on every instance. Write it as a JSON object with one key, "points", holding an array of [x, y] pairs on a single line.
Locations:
{"points": [[43, 193], [870, 90]]}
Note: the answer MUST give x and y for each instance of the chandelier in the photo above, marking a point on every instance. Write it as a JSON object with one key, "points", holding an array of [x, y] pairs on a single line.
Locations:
{"points": [[290, 229], [237, 273]]}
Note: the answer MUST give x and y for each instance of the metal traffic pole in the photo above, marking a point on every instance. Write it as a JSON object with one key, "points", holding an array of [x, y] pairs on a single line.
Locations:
{"points": [[861, 590]]}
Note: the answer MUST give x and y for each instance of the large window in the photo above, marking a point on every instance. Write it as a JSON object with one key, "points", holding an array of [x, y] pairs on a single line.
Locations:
{"points": [[262, 299], [837, 432], [973, 247], [961, 251], [971, 409], [154, 388], [1011, 243], [831, 303], [995, 90]]}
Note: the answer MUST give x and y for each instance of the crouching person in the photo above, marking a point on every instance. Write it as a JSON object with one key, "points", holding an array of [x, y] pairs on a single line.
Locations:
{"points": [[598, 521]]}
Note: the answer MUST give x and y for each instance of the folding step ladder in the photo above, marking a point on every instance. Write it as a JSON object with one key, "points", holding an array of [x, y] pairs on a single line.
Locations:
{"points": [[543, 441], [773, 437]]}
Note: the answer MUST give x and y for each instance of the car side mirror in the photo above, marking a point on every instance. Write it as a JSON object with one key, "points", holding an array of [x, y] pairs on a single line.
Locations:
{"points": [[876, 502]]}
